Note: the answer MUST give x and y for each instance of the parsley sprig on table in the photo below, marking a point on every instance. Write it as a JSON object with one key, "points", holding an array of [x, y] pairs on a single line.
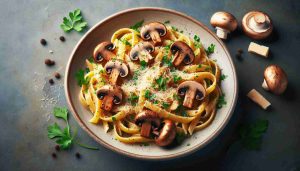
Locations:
{"points": [[74, 22], [251, 134], [137, 26], [81, 80], [63, 137]]}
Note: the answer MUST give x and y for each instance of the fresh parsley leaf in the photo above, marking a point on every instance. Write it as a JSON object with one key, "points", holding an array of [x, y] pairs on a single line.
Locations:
{"points": [[75, 21], [174, 28], [162, 83], [176, 78], [124, 41], [167, 61], [165, 105], [61, 112], [221, 101], [223, 77], [210, 49], [54, 131], [143, 64], [137, 25], [251, 134], [149, 96], [91, 59], [113, 118], [181, 110], [167, 22], [133, 99], [199, 66], [197, 41], [80, 78]]}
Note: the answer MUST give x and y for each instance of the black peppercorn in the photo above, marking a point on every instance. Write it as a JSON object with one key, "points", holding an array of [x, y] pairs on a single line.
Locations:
{"points": [[240, 51], [57, 148], [54, 155], [62, 38], [49, 62], [57, 75], [43, 42], [51, 81], [78, 156]]}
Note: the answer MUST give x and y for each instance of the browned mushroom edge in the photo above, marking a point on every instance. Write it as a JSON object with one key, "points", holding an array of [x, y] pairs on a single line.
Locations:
{"points": [[275, 79], [153, 31], [224, 23], [167, 133], [116, 68], [142, 51], [181, 53], [109, 95], [191, 90], [149, 121], [104, 51]]}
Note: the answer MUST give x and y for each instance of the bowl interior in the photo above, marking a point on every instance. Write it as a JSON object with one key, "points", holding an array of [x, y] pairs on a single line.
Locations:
{"points": [[103, 31]]}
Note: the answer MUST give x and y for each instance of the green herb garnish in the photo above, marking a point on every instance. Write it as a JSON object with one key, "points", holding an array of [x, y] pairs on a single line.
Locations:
{"points": [[75, 22], [125, 42], [91, 59], [133, 99], [167, 22], [251, 134], [149, 96], [143, 64], [176, 78], [174, 28], [167, 61], [197, 41], [162, 83], [221, 101], [165, 105], [63, 137], [210, 49], [80, 78], [223, 77], [137, 26], [180, 137], [113, 118]]}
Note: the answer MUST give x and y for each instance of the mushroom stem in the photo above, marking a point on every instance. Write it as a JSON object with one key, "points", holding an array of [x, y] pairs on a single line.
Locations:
{"points": [[265, 85], [189, 98], [107, 103], [146, 129], [155, 37], [114, 76], [178, 59], [222, 33]]}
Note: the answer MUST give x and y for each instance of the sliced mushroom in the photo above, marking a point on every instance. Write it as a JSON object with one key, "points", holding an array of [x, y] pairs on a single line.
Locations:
{"points": [[142, 51], [116, 68], [167, 134], [224, 23], [104, 51], [182, 52], [275, 79], [148, 120], [191, 90], [109, 95], [153, 31]]}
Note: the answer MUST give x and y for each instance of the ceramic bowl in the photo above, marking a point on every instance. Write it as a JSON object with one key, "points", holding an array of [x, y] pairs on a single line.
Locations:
{"points": [[103, 31]]}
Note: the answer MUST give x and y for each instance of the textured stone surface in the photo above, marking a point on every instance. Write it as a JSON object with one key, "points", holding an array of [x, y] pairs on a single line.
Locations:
{"points": [[27, 98]]}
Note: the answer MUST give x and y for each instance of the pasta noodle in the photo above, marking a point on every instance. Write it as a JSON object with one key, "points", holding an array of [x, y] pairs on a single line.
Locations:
{"points": [[153, 86]]}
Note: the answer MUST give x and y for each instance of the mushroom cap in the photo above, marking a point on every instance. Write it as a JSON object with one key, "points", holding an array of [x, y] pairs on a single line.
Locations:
{"points": [[140, 49], [117, 64], [224, 20], [257, 25], [167, 133], [153, 27], [183, 49], [149, 116], [109, 90], [276, 79], [184, 87], [103, 51]]}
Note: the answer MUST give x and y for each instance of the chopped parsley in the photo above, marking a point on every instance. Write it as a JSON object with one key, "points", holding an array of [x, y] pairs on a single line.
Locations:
{"points": [[221, 101], [87, 70], [133, 99], [75, 22], [113, 118], [167, 61], [167, 47], [124, 41], [181, 111], [143, 64], [165, 105], [197, 41], [137, 26], [167, 22], [251, 134], [223, 77], [162, 83], [210, 49], [80, 78], [176, 78], [149, 96], [199, 66], [136, 74], [174, 28], [91, 59]]}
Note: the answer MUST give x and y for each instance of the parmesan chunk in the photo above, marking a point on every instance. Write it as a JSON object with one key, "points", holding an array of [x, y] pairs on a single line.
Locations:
{"points": [[259, 99], [258, 49]]}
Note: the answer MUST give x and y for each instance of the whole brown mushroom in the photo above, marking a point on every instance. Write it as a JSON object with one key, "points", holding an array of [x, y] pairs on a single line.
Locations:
{"points": [[142, 51], [109, 95], [167, 133], [257, 25], [224, 23], [116, 68], [275, 79], [182, 53], [191, 90], [148, 120]]}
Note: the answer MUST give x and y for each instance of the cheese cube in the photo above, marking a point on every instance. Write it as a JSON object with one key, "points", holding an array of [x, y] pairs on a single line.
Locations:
{"points": [[259, 99], [258, 49]]}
